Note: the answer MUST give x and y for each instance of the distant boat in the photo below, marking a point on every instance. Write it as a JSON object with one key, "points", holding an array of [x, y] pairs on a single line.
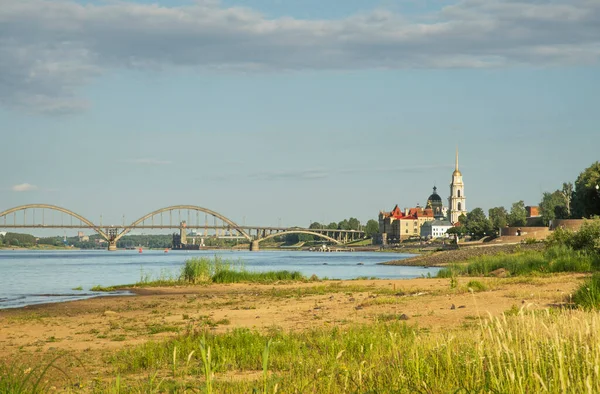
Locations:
{"points": [[167, 250], [140, 250]]}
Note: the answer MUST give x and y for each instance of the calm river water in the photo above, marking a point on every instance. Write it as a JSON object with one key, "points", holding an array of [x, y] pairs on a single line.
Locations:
{"points": [[34, 277]]}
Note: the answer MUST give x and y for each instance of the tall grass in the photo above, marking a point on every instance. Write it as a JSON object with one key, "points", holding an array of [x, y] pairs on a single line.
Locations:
{"points": [[588, 294], [526, 353], [218, 270], [552, 260]]}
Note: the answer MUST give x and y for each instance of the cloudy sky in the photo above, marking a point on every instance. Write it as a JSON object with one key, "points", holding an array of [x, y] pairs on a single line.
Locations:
{"points": [[299, 110]]}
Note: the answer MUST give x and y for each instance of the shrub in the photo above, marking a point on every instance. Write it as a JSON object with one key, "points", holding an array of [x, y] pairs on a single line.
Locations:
{"points": [[587, 238]]}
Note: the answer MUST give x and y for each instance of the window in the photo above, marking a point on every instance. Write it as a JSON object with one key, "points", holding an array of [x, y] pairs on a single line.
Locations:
{"points": [[458, 194], [459, 206]]}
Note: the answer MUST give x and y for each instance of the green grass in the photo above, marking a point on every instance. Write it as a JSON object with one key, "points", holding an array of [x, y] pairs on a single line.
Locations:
{"points": [[552, 260], [525, 353], [227, 276], [476, 286], [204, 270], [587, 295], [103, 288]]}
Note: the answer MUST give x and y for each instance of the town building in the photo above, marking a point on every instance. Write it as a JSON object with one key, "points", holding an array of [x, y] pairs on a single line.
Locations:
{"points": [[456, 201], [435, 229], [398, 225]]}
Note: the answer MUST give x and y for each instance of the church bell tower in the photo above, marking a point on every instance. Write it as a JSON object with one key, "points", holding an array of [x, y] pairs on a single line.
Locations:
{"points": [[456, 201]]}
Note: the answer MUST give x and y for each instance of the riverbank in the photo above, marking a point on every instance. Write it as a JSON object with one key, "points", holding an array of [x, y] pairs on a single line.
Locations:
{"points": [[443, 258], [94, 331]]}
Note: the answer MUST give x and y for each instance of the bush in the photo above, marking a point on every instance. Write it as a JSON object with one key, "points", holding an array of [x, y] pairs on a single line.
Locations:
{"points": [[587, 238]]}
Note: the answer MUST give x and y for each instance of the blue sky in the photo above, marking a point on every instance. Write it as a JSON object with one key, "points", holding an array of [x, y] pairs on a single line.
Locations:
{"points": [[300, 110]]}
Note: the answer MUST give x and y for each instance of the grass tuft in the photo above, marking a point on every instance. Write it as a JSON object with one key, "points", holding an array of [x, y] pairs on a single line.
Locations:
{"points": [[587, 295]]}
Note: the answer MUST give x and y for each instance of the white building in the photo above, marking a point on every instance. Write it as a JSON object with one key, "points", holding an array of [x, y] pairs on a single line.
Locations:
{"points": [[435, 229], [457, 200]]}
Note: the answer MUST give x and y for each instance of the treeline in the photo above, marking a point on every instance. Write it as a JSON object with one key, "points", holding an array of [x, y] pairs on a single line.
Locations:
{"points": [[579, 200], [16, 239], [370, 228], [476, 224]]}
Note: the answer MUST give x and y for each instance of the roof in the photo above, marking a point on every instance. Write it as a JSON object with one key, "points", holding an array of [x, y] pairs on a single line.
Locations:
{"points": [[434, 196]]}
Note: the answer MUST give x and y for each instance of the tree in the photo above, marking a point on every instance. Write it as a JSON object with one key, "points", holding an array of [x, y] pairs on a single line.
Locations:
{"points": [[343, 225], [586, 197], [332, 226], [353, 224], [477, 224], [315, 225], [567, 192], [371, 228], [498, 217], [553, 206], [518, 214]]}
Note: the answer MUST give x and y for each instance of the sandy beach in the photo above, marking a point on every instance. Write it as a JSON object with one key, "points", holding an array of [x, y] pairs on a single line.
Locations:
{"points": [[95, 328]]}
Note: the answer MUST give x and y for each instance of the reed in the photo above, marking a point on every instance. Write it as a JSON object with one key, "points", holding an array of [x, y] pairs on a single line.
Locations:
{"points": [[218, 270]]}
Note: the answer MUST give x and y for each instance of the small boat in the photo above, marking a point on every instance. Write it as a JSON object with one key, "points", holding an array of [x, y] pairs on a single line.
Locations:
{"points": [[140, 250]]}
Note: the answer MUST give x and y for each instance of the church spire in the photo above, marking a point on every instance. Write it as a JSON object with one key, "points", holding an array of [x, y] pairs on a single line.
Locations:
{"points": [[456, 158]]}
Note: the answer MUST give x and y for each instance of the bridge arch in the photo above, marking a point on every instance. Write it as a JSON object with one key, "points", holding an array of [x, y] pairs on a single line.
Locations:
{"points": [[234, 225], [58, 209], [299, 232]]}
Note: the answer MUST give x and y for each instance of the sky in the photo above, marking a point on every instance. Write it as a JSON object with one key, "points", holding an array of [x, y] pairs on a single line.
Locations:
{"points": [[293, 111]]}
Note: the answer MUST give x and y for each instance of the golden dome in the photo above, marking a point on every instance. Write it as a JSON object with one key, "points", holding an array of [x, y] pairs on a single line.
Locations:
{"points": [[456, 173]]}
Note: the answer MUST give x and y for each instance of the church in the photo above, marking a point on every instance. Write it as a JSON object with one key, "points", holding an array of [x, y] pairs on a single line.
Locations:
{"points": [[432, 221]]}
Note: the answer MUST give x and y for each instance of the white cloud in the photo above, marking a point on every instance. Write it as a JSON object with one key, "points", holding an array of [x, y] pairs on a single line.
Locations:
{"points": [[24, 187], [48, 49]]}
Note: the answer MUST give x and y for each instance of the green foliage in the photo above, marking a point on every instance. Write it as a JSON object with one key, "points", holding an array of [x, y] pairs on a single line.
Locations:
{"points": [[553, 206], [230, 276], [18, 239], [587, 295], [586, 197], [371, 228], [476, 286], [202, 269], [353, 224], [554, 259], [586, 239], [152, 241], [498, 217], [217, 270], [386, 356], [477, 224], [344, 225], [332, 226], [17, 378], [518, 214]]}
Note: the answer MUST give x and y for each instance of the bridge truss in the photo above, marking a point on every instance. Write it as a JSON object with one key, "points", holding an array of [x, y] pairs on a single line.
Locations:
{"points": [[182, 217]]}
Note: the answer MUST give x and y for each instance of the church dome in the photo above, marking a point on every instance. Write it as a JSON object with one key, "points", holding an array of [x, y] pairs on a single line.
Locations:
{"points": [[434, 197], [456, 173]]}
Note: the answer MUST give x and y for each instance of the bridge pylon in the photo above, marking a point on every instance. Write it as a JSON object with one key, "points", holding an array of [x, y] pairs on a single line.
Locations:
{"points": [[254, 247]]}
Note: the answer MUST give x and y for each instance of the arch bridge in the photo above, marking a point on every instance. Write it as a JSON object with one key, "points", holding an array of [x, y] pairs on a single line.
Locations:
{"points": [[43, 216]]}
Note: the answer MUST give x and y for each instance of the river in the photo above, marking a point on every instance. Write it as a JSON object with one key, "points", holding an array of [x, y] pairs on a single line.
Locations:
{"points": [[37, 277]]}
